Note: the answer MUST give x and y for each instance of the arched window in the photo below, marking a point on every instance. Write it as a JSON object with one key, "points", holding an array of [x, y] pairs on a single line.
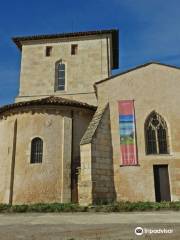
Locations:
{"points": [[156, 134], [36, 150], [60, 76]]}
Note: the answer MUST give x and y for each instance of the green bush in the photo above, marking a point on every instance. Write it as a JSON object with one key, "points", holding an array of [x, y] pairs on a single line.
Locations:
{"points": [[19, 208], [108, 207], [4, 207], [53, 207], [137, 206]]}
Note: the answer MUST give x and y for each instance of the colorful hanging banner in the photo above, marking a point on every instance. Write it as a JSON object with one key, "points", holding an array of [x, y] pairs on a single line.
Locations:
{"points": [[127, 132]]}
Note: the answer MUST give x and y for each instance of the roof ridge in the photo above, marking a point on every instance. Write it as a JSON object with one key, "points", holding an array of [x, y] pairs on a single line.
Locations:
{"points": [[135, 68]]}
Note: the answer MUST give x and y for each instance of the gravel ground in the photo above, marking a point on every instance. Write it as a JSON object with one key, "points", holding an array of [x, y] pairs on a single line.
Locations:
{"points": [[78, 226]]}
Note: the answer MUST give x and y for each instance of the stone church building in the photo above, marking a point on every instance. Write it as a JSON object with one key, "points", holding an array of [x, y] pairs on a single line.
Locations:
{"points": [[77, 133]]}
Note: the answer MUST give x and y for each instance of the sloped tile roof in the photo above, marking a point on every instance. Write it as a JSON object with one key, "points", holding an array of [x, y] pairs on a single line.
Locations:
{"points": [[87, 138], [57, 101]]}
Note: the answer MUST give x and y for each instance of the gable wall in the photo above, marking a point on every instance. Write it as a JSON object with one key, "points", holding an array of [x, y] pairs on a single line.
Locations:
{"points": [[154, 87]]}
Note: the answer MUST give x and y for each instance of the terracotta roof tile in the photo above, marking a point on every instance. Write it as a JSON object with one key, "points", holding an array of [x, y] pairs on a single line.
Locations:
{"points": [[58, 101], [91, 130]]}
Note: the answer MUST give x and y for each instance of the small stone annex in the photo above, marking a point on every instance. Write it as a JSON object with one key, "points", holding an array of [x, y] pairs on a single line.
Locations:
{"points": [[77, 133]]}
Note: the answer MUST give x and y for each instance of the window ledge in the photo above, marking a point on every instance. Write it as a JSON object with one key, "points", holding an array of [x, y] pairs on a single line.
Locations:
{"points": [[62, 91], [154, 156], [158, 155], [136, 165], [35, 164]]}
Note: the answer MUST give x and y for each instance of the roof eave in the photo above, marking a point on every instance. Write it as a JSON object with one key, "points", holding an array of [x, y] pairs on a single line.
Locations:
{"points": [[49, 101], [114, 32]]}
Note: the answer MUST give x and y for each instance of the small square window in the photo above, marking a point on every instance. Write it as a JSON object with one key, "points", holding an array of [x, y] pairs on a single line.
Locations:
{"points": [[48, 51], [74, 49]]}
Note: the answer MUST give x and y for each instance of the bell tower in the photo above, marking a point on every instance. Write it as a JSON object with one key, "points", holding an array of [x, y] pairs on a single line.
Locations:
{"points": [[66, 64]]}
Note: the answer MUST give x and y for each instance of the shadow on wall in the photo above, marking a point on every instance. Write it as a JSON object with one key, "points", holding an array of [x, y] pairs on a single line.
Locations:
{"points": [[103, 189]]}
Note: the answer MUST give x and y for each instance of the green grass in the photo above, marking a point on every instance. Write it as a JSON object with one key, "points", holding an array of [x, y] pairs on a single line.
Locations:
{"points": [[109, 207]]}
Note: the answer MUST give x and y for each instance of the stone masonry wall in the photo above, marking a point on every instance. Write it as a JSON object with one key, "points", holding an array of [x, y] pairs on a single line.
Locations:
{"points": [[153, 87], [49, 181], [37, 75], [85, 178], [96, 180], [81, 120], [6, 149], [102, 165]]}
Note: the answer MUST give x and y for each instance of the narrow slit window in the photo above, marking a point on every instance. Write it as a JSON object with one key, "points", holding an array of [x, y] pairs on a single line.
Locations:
{"points": [[74, 49], [36, 150], [48, 51], [61, 76]]}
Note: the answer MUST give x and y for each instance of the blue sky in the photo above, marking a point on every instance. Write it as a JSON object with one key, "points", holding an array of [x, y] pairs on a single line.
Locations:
{"points": [[149, 30]]}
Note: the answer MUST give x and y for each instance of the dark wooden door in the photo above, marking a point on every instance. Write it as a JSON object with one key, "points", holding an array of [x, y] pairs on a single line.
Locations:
{"points": [[161, 183]]}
